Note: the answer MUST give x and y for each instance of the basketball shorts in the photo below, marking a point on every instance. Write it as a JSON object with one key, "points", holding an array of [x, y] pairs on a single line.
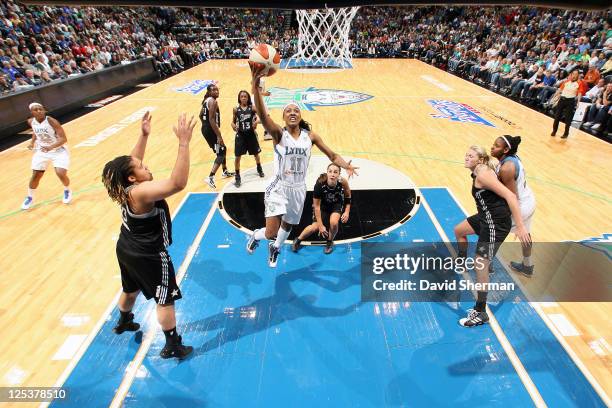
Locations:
{"points": [[326, 213], [151, 273], [60, 158], [491, 231], [286, 200], [246, 142], [527, 211]]}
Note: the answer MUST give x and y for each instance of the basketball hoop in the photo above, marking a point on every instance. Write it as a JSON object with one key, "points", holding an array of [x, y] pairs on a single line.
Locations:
{"points": [[323, 39]]}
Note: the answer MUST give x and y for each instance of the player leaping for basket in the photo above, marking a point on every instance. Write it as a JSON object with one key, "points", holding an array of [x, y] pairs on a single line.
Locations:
{"points": [[286, 190]]}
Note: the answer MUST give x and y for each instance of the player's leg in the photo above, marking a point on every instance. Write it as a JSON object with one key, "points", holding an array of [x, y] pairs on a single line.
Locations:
{"points": [[237, 179], [308, 231], [166, 293], [526, 266], [39, 165], [334, 220], [62, 174], [462, 230], [128, 297]]}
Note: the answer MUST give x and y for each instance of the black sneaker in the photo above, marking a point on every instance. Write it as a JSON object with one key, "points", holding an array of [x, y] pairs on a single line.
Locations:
{"points": [[237, 181], [491, 269], [130, 325], [474, 318], [252, 244], [564, 136], [261, 173], [522, 268], [297, 244], [273, 253], [177, 350], [329, 248]]}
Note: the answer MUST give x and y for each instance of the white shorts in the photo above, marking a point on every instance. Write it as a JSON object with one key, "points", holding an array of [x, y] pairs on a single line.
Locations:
{"points": [[285, 200], [59, 157], [527, 211]]}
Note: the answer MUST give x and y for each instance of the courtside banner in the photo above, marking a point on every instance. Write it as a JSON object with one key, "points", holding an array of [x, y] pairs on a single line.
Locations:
{"points": [[432, 272]]}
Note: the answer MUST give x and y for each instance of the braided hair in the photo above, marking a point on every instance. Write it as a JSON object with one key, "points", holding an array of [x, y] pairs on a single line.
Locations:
{"points": [[115, 178]]}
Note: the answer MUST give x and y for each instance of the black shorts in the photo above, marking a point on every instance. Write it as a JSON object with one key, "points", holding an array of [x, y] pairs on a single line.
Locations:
{"points": [[491, 231], [246, 142], [210, 137], [151, 273], [326, 212]]}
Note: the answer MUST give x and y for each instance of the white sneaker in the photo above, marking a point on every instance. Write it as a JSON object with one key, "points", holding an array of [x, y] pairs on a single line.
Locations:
{"points": [[211, 182], [596, 126], [67, 197], [588, 124], [27, 203]]}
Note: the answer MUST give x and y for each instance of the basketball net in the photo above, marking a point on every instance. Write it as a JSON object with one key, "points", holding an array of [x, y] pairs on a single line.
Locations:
{"points": [[323, 39]]}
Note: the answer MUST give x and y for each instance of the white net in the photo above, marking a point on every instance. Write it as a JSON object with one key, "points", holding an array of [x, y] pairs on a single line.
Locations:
{"points": [[323, 39]]}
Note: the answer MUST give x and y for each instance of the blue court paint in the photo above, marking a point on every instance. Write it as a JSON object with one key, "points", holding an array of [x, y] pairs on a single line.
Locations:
{"points": [[99, 372], [559, 380], [299, 335]]}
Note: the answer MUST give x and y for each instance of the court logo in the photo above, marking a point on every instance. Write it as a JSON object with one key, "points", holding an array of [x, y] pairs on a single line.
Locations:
{"points": [[602, 244], [457, 112], [309, 98], [195, 87]]}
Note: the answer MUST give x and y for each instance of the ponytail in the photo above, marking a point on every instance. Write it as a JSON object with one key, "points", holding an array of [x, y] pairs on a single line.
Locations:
{"points": [[305, 125], [512, 142]]}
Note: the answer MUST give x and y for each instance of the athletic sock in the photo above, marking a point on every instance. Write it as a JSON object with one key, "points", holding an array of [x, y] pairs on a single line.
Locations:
{"points": [[171, 336], [260, 234], [527, 260], [281, 237], [124, 316], [31, 192], [481, 301]]}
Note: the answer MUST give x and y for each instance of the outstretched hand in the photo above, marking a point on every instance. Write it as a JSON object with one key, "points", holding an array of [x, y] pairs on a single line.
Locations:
{"points": [[351, 170], [257, 73], [145, 124], [183, 129]]}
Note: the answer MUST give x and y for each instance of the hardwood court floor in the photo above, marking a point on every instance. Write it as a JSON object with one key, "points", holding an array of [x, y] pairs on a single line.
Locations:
{"points": [[59, 269]]}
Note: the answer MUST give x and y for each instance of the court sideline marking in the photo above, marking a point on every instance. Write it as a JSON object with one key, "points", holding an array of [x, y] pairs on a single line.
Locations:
{"points": [[499, 333], [547, 321], [134, 365]]}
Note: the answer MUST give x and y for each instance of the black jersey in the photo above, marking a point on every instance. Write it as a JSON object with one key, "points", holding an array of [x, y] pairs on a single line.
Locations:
{"points": [[331, 197], [148, 233], [245, 118], [205, 116], [489, 203]]}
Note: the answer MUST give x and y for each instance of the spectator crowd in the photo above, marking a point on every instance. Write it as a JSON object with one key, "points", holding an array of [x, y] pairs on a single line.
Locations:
{"points": [[525, 53]]}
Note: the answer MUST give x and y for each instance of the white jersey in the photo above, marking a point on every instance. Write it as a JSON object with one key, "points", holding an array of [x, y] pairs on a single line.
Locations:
{"points": [[45, 134], [291, 158], [524, 193]]}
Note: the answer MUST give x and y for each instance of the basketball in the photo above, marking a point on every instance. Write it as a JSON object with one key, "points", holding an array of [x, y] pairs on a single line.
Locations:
{"points": [[265, 55]]}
